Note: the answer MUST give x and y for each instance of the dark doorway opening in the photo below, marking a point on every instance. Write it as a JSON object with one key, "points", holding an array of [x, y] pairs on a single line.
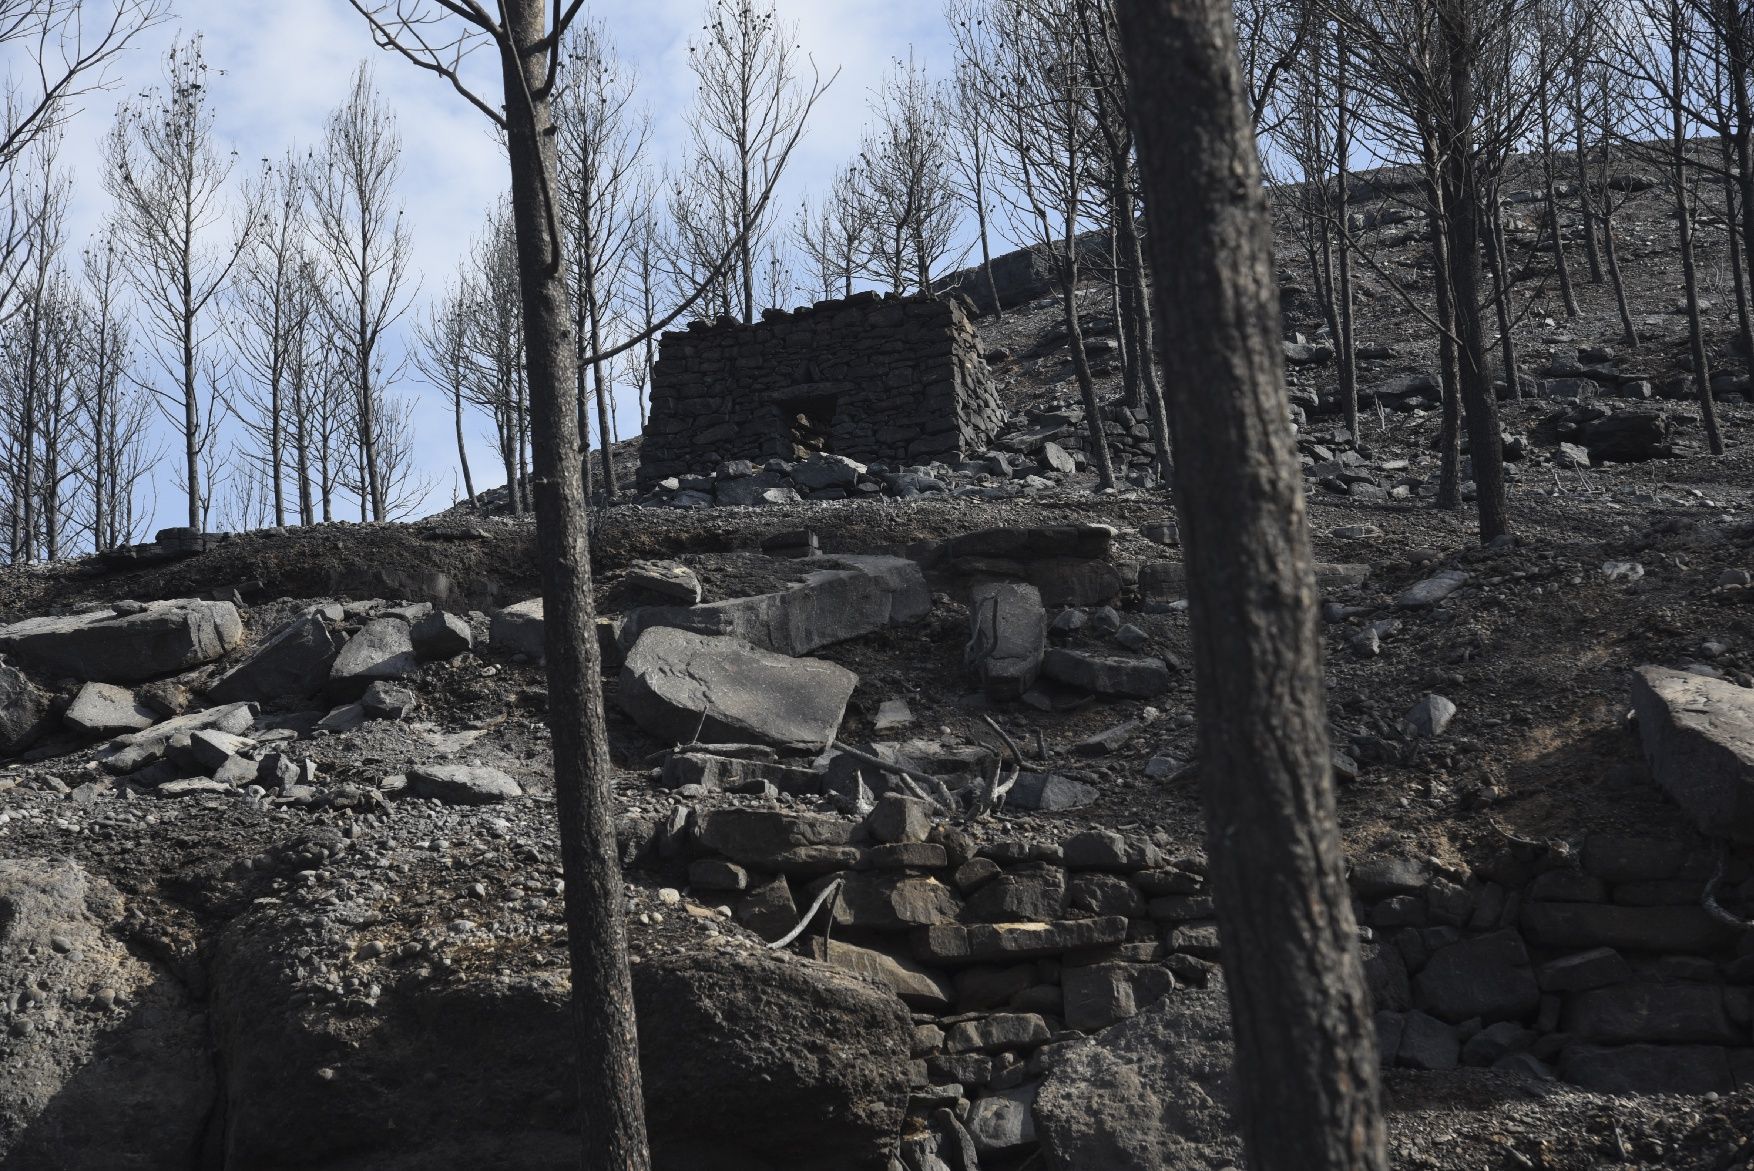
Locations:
{"points": [[809, 423]]}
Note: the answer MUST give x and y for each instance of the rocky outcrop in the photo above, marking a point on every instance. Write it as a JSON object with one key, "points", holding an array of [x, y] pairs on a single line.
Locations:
{"points": [[129, 643], [751, 1062]]}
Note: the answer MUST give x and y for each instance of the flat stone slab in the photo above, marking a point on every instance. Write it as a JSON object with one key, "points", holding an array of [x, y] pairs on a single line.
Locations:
{"points": [[103, 709], [461, 784], [109, 647], [1105, 674], [1699, 742], [382, 649], [953, 944], [847, 597], [688, 687]]}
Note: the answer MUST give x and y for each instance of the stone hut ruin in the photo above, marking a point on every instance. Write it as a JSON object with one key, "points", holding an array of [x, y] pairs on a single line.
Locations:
{"points": [[892, 380]]}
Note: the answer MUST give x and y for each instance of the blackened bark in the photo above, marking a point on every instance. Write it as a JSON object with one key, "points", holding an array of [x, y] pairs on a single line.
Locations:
{"points": [[1610, 253], [1462, 219], [1345, 345], [1306, 1053], [612, 1109], [1684, 228], [1449, 430]]}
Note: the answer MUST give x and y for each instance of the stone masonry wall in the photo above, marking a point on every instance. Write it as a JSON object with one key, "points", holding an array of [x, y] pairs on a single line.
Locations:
{"points": [[876, 379]]}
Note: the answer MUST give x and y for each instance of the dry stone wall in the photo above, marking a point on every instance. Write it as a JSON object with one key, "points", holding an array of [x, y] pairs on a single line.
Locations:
{"points": [[876, 379]]}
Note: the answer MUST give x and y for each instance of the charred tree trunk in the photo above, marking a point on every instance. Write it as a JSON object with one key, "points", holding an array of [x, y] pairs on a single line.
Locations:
{"points": [[1449, 431], [1306, 1052], [612, 1108]]}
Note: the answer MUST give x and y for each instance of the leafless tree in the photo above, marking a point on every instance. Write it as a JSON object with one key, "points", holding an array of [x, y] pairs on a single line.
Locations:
{"points": [[1658, 45], [604, 199], [835, 235], [115, 417], [498, 385], [445, 359], [57, 53], [168, 178], [1305, 1049], [270, 310], [753, 101], [972, 139], [1025, 55], [358, 224], [906, 181]]}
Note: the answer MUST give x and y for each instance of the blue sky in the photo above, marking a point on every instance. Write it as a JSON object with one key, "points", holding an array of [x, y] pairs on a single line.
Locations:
{"points": [[286, 63]]}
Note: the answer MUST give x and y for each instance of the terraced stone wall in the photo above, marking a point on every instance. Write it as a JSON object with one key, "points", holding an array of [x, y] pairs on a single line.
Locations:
{"points": [[898, 381]]}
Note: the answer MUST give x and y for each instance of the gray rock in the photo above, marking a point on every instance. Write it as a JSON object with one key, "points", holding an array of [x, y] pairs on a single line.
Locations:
{"points": [[736, 1073], [826, 471], [687, 687], [757, 836], [1091, 541], [519, 630], [918, 988], [670, 579], [1643, 929], [1098, 995], [383, 701], [458, 784], [440, 636], [991, 942], [1049, 793], [1153, 1093], [1654, 1013], [899, 819], [998, 1032], [1428, 1043], [1489, 977], [1648, 1069], [1429, 717], [143, 747], [875, 901], [349, 717], [1698, 738], [107, 647], [1572, 455], [1425, 594], [1004, 1122], [1138, 678], [1106, 849], [24, 710], [382, 649], [768, 909], [1055, 458], [1597, 968], [839, 598], [103, 709], [294, 662], [1007, 637], [1025, 892]]}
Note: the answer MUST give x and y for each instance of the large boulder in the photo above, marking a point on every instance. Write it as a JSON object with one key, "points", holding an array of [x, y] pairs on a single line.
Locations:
{"points": [[293, 663], [381, 649], [1489, 977], [852, 596], [687, 687], [127, 647], [24, 710], [1153, 1093], [1698, 737], [107, 1064], [758, 1062], [751, 1061]]}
